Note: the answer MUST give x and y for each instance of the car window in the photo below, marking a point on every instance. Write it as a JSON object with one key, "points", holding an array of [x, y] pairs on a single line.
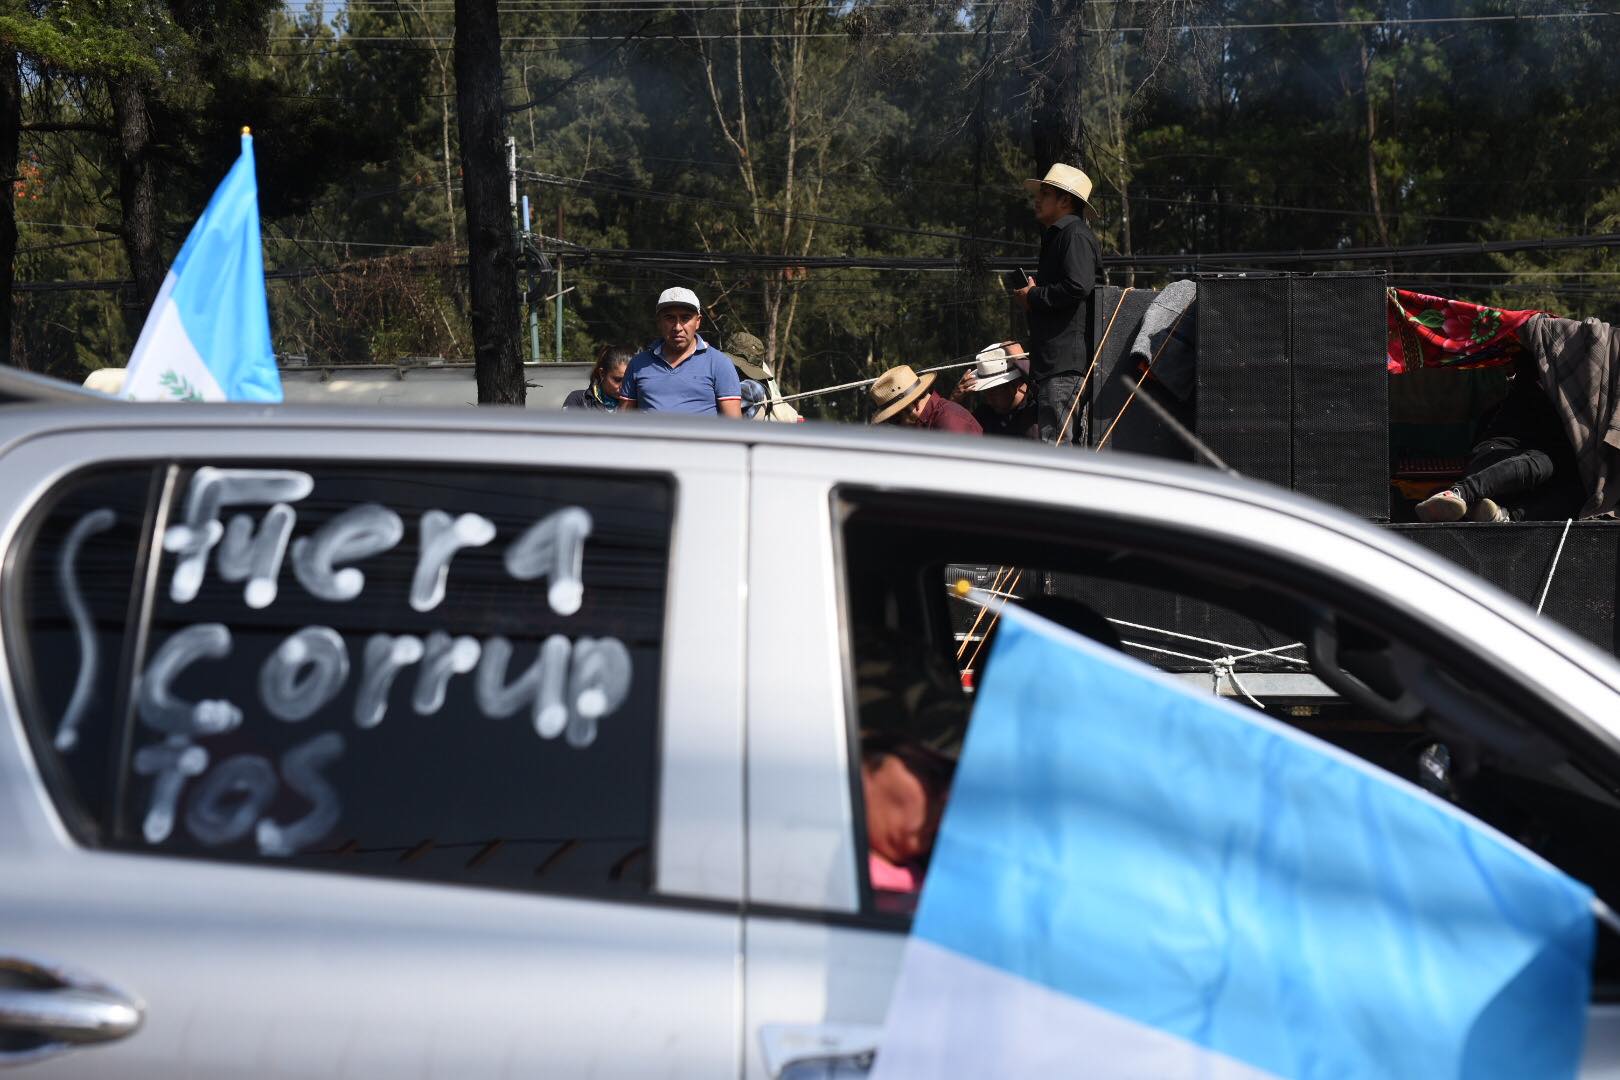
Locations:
{"points": [[430, 673], [73, 593], [1325, 656]]}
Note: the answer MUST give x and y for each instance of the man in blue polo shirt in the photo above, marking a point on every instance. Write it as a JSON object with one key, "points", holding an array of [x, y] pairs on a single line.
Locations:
{"points": [[681, 373]]}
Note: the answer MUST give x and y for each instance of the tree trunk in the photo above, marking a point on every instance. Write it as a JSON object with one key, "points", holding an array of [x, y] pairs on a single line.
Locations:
{"points": [[1056, 126], [137, 195], [492, 263], [1372, 145], [10, 129]]}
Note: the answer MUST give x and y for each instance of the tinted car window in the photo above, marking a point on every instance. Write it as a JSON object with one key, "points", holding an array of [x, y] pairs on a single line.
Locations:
{"points": [[70, 603], [1329, 657], [427, 673]]}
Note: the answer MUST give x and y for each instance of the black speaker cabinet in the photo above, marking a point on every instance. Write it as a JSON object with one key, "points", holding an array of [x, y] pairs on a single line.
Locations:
{"points": [[1292, 386], [1337, 341], [1245, 394], [1116, 320], [1516, 558]]}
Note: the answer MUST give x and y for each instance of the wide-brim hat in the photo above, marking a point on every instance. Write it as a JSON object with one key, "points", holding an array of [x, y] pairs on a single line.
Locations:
{"points": [[748, 353], [896, 389], [996, 367], [1065, 178]]}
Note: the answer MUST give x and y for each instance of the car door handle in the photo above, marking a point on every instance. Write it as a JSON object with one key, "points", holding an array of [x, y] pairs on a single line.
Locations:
{"points": [[818, 1051], [68, 1014], [45, 1010]]}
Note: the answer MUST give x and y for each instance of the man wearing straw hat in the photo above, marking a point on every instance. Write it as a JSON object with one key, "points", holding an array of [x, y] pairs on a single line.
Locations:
{"points": [[903, 396], [1000, 376], [1058, 300]]}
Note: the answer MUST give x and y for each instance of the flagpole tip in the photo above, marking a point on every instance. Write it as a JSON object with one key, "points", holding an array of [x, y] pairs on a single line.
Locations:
{"points": [[246, 130]]}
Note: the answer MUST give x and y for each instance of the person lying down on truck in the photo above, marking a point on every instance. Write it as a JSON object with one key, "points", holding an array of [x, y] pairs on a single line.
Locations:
{"points": [[1522, 467]]}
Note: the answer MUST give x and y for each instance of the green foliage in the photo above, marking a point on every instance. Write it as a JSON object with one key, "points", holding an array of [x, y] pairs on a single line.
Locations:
{"points": [[93, 37], [678, 130]]}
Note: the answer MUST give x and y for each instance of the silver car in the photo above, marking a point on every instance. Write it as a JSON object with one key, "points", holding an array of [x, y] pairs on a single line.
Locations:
{"points": [[354, 744]]}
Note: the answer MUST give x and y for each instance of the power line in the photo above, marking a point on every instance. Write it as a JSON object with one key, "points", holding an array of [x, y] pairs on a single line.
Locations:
{"points": [[737, 261], [1317, 24], [785, 215]]}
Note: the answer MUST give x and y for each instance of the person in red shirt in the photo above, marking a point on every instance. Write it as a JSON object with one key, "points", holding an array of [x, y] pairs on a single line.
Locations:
{"points": [[901, 395]]}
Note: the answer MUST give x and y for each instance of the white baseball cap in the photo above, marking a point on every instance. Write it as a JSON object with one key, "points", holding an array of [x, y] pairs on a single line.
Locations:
{"points": [[678, 295]]}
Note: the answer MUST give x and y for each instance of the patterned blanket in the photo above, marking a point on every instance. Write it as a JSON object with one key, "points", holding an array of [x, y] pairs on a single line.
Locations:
{"points": [[1431, 331]]}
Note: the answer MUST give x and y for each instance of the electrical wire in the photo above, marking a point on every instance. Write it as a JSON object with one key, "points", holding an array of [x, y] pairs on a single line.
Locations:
{"points": [[784, 215]]}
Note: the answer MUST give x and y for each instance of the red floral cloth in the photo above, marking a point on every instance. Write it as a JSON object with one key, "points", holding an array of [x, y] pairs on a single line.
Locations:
{"points": [[1431, 331]]}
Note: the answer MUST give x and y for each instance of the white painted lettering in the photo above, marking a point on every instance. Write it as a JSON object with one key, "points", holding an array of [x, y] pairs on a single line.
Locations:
{"points": [[443, 656], [84, 627], [357, 533], [172, 761], [385, 656], [301, 767], [554, 548], [292, 697], [160, 710], [210, 490], [598, 683], [441, 537], [255, 557], [225, 803], [541, 685]]}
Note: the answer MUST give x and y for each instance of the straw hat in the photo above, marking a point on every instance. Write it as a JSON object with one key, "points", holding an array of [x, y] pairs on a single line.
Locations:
{"points": [[748, 353], [896, 389], [997, 366], [1065, 178]]}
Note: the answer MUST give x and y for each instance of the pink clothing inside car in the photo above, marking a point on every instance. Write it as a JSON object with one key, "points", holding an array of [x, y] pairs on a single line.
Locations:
{"points": [[891, 878]]}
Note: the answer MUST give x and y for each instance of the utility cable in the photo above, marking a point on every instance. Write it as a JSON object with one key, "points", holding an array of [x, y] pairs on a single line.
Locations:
{"points": [[1553, 569]]}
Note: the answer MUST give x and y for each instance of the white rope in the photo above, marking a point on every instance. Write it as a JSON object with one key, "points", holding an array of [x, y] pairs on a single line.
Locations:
{"points": [[1231, 674], [1554, 567], [1219, 667], [1170, 652], [868, 382], [1224, 645], [1272, 653]]}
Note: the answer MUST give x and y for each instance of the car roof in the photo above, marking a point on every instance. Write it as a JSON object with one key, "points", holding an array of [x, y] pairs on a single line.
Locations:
{"points": [[17, 385], [21, 421]]}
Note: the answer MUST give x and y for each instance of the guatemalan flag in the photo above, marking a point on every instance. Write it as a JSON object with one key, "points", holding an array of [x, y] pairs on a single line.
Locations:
{"points": [[1136, 879], [208, 335]]}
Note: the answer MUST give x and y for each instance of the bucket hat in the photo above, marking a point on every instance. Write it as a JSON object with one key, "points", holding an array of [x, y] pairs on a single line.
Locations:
{"points": [[748, 353]]}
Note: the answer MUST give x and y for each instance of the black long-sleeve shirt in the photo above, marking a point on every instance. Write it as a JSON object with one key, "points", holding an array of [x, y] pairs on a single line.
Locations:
{"points": [[1060, 301]]}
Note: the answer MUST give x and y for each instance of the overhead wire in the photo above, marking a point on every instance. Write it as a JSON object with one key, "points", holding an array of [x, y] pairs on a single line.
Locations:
{"points": [[1308, 24]]}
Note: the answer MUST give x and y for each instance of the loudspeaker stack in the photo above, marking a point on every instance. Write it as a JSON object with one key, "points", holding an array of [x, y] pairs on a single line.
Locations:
{"points": [[1292, 386], [1522, 558]]}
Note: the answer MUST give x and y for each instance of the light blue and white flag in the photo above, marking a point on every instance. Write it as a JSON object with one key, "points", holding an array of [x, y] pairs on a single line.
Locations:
{"points": [[207, 337], [1136, 879]]}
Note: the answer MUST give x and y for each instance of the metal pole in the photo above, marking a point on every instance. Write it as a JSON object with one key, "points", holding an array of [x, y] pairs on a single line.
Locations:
{"points": [[559, 279], [511, 173], [534, 307]]}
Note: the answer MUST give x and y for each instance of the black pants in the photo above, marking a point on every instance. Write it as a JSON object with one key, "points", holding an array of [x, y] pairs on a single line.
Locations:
{"points": [[1054, 398], [1522, 479]]}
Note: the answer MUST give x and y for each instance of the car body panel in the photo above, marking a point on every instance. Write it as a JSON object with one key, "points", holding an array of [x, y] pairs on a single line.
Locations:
{"points": [[757, 918], [260, 970]]}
